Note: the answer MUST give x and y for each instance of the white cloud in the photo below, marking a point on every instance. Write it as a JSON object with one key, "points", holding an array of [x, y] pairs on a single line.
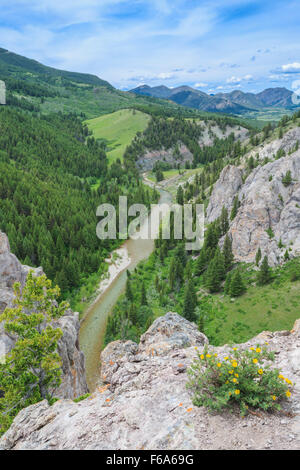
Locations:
{"points": [[200, 85], [233, 79], [164, 76], [294, 67]]}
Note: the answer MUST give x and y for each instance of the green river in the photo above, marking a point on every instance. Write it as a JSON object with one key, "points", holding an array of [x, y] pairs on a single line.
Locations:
{"points": [[92, 330]]}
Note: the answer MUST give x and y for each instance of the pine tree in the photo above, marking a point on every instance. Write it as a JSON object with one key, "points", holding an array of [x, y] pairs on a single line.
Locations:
{"points": [[258, 256], [129, 294], [227, 283], [201, 323], [132, 314], [215, 272], [224, 224], [237, 286], [264, 275], [180, 196], [143, 295], [227, 253], [201, 263], [190, 302], [32, 369], [287, 178], [236, 205]]}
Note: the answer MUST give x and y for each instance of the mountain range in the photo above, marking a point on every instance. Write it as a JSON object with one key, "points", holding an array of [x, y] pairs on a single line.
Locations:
{"points": [[236, 102]]}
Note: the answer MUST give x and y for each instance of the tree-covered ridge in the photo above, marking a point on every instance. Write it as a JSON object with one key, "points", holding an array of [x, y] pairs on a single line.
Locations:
{"points": [[36, 143], [16, 65], [35, 87], [51, 182], [166, 134]]}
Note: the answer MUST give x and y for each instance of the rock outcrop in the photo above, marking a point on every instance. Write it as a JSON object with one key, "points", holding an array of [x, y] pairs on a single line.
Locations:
{"points": [[224, 192], [269, 214], [147, 161], [73, 377], [145, 404]]}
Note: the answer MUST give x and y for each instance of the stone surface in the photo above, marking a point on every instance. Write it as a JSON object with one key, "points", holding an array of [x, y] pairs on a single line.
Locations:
{"points": [[73, 377], [265, 202], [224, 192], [146, 405]]}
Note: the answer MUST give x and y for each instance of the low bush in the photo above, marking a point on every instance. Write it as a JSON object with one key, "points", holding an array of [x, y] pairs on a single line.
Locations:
{"points": [[242, 378]]}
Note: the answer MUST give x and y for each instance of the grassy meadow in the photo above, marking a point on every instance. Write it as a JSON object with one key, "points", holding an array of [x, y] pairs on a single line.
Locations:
{"points": [[118, 129]]}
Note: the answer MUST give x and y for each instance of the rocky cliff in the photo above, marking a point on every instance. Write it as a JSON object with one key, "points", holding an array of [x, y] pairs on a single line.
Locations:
{"points": [[269, 210], [210, 132], [144, 402], [73, 377]]}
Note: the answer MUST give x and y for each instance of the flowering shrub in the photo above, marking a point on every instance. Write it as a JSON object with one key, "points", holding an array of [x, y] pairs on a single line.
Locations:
{"points": [[242, 378]]}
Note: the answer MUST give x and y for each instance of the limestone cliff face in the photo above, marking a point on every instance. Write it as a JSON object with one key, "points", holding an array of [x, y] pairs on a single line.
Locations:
{"points": [[144, 402], [73, 377], [265, 203], [224, 192], [147, 161]]}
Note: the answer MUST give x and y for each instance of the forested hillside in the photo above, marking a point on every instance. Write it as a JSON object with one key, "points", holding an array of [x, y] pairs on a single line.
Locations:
{"points": [[37, 88], [51, 181], [229, 301]]}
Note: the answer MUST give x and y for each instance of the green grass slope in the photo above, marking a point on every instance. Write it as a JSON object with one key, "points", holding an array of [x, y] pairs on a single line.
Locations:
{"points": [[118, 129]]}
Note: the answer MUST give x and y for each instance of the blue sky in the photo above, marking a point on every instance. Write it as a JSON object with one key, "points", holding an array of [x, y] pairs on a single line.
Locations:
{"points": [[215, 46]]}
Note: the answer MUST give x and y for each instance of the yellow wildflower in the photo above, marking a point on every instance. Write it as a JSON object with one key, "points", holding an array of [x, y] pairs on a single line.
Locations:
{"points": [[260, 371], [234, 364], [288, 394], [236, 375], [252, 348], [230, 372], [234, 381], [258, 350], [274, 397], [237, 392], [201, 357], [234, 349], [208, 355], [280, 376], [219, 364], [255, 361]]}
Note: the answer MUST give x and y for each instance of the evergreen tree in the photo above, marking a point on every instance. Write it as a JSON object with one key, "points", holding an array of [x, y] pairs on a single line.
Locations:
{"points": [[180, 196], [258, 256], [224, 224], [234, 210], [227, 283], [129, 294], [190, 302], [32, 369], [201, 323], [227, 253], [237, 286], [143, 295], [287, 178], [215, 273], [132, 314], [264, 275], [201, 263]]}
